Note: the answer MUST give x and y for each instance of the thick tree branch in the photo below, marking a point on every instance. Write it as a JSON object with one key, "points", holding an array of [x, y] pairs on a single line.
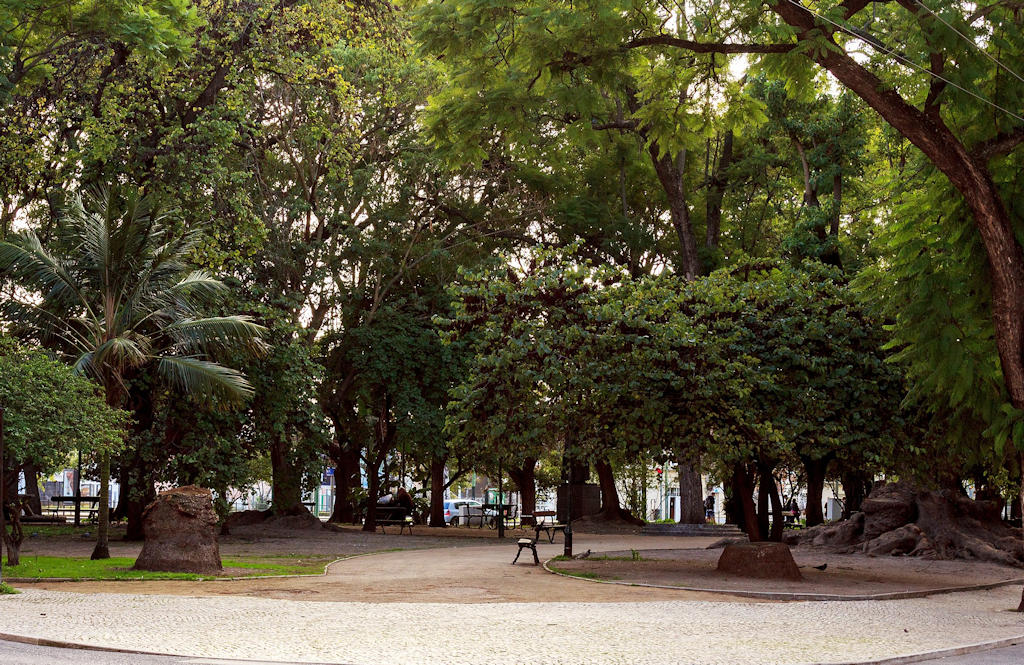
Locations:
{"points": [[627, 125], [707, 47], [998, 145]]}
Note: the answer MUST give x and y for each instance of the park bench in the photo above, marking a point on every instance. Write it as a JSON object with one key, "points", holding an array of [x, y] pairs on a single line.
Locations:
{"points": [[392, 515], [65, 506], [550, 528], [527, 544]]}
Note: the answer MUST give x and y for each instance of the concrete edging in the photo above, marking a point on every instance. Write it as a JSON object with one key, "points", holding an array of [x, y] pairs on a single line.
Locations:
{"points": [[81, 646], [942, 653], [790, 596], [894, 660]]}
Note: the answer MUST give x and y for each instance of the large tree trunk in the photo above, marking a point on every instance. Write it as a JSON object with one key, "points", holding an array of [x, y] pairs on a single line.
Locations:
{"points": [[526, 480], [764, 518], [743, 496], [35, 504], [670, 171], [691, 494], [346, 479], [102, 549], [855, 487], [134, 507], [816, 469], [384, 439], [716, 192], [611, 509], [372, 494], [286, 484], [779, 521], [437, 464]]}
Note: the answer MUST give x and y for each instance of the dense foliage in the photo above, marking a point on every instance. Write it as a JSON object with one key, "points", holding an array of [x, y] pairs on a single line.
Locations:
{"points": [[522, 237]]}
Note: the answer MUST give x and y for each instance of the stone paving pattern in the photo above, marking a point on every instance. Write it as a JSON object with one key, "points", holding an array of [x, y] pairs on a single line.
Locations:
{"points": [[468, 605], [508, 633]]}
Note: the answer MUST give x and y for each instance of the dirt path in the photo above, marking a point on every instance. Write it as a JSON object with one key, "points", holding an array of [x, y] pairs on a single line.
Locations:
{"points": [[473, 571]]}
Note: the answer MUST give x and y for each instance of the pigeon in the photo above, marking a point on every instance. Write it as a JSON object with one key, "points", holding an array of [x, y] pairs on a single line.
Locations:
{"points": [[582, 556], [821, 567]]}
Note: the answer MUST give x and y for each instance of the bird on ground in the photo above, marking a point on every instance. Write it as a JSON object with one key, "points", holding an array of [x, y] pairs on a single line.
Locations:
{"points": [[821, 567], [582, 556]]}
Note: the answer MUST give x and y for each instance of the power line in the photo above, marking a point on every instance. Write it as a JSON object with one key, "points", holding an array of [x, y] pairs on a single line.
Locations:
{"points": [[970, 41], [909, 63]]}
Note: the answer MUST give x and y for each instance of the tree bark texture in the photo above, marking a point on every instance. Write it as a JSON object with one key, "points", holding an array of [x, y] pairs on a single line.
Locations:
{"points": [[716, 193], [346, 479], [670, 173], [286, 484], [526, 480], [384, 440], [35, 503], [743, 494], [815, 469], [778, 521], [691, 494]]}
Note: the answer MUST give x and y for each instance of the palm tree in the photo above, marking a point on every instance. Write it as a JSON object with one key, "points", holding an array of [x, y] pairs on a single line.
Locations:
{"points": [[114, 293]]}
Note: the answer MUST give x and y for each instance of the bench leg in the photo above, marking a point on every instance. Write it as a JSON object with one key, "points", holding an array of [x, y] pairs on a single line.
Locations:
{"points": [[517, 556], [536, 560]]}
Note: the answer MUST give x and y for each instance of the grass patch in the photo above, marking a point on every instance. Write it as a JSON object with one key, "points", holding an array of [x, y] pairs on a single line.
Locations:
{"points": [[583, 574], [33, 530], [634, 555], [119, 568], [6, 589]]}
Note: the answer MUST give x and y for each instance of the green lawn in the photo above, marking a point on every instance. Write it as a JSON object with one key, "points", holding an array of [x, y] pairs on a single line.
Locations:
{"points": [[119, 568]]}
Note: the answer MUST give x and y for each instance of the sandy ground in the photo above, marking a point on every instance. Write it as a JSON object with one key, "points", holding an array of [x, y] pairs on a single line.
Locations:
{"points": [[472, 565], [845, 574], [454, 568]]}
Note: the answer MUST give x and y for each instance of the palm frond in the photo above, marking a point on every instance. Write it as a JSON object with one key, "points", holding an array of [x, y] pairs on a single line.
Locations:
{"points": [[195, 376], [217, 332], [121, 353], [26, 261], [196, 289]]}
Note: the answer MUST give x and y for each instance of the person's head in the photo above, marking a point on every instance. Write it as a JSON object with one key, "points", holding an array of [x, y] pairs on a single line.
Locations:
{"points": [[402, 492]]}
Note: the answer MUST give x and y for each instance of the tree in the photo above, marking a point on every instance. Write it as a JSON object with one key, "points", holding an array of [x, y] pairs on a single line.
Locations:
{"points": [[114, 295], [49, 412]]}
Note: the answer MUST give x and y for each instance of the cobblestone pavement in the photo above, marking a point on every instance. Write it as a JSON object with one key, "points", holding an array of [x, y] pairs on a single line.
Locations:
{"points": [[505, 633], [601, 624]]}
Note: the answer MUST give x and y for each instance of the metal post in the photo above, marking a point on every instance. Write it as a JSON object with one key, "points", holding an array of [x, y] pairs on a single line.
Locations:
{"points": [[78, 491], [330, 506], [501, 505], [567, 550]]}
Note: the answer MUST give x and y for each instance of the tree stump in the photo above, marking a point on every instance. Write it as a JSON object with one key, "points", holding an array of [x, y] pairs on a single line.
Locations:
{"points": [[180, 527], [761, 560]]}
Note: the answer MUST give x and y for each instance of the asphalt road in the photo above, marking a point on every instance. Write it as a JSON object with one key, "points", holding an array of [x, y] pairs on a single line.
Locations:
{"points": [[14, 653]]}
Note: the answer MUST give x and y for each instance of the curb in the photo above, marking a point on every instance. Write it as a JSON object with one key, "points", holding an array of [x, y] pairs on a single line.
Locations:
{"points": [[894, 660], [941, 653], [81, 646], [789, 596]]}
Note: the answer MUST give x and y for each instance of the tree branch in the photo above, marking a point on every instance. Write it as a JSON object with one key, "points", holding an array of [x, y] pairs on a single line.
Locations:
{"points": [[998, 145], [707, 47]]}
